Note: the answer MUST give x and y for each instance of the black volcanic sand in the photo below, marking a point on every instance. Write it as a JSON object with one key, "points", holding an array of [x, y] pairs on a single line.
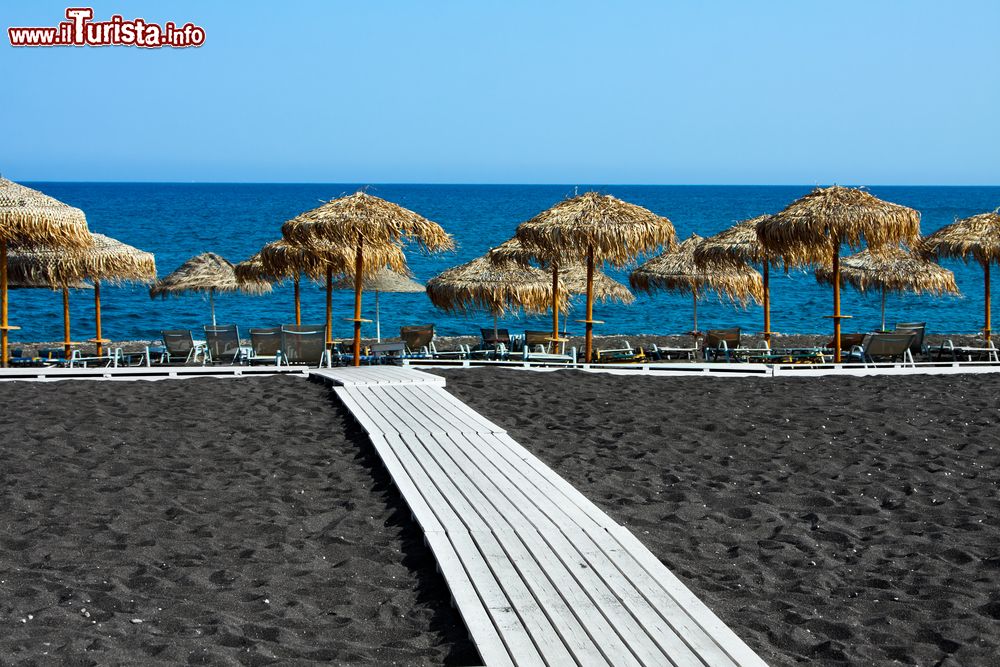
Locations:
{"points": [[826, 520], [207, 521]]}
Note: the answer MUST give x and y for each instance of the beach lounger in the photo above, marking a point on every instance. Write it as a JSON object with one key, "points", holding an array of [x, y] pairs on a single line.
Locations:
{"points": [[720, 343], [539, 346], [418, 339], [386, 353], [494, 344], [461, 352], [110, 359], [624, 354], [180, 345], [884, 347], [305, 344], [918, 328], [666, 353], [948, 351], [222, 344], [265, 346]]}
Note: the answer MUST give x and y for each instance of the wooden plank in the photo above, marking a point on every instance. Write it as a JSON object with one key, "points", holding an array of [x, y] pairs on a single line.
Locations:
{"points": [[411, 495], [411, 405], [423, 403], [474, 613], [389, 411], [371, 421], [448, 402]]}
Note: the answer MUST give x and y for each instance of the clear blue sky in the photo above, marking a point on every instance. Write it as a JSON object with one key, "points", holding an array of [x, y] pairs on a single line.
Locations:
{"points": [[864, 92]]}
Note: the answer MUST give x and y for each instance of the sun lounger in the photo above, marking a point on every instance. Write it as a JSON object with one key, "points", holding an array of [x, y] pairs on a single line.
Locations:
{"points": [[305, 344], [884, 347], [919, 328], [622, 354], [180, 345], [418, 339], [495, 344], [222, 344], [948, 351], [265, 346], [721, 343], [666, 353], [539, 346], [110, 359], [462, 352]]}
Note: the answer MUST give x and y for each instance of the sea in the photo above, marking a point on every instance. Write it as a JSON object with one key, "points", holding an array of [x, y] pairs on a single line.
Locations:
{"points": [[176, 221]]}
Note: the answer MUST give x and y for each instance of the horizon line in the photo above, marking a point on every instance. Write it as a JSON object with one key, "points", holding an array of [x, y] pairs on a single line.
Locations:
{"points": [[553, 184]]}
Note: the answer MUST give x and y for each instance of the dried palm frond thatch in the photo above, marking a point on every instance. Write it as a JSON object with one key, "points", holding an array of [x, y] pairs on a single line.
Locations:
{"points": [[735, 246], [812, 228], [976, 237], [676, 271], [28, 217], [207, 272], [574, 278], [106, 260], [496, 288], [284, 259]]}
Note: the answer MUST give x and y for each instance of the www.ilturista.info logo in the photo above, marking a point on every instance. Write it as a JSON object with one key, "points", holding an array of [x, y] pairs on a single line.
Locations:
{"points": [[80, 30]]}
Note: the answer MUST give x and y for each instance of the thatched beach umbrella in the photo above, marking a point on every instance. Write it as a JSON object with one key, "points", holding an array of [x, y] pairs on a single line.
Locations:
{"points": [[496, 288], [738, 246], [321, 260], [676, 271], [209, 273], [572, 274], [811, 230], [361, 221], [891, 270], [27, 218], [976, 237], [386, 280], [106, 260], [596, 228]]}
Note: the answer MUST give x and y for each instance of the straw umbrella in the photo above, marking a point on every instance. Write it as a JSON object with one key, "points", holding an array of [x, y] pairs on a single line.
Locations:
{"points": [[977, 237], [28, 217], [253, 270], [597, 228], [209, 273], [386, 280], [497, 288], [811, 230], [361, 221], [322, 260], [891, 270], [738, 246], [572, 274], [107, 260], [676, 271]]}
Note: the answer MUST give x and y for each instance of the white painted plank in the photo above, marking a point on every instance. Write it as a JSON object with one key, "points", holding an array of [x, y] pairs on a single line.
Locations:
{"points": [[412, 496], [416, 410], [371, 421], [477, 619], [388, 410]]}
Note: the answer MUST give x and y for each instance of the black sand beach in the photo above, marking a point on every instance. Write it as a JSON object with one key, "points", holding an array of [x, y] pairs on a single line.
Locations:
{"points": [[210, 522], [827, 521]]}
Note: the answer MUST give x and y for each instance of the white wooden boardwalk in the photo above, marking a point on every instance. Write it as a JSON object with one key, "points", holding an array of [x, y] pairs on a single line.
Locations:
{"points": [[540, 575]]}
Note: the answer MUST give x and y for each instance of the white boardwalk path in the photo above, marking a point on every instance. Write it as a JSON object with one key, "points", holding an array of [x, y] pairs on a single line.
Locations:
{"points": [[540, 575]]}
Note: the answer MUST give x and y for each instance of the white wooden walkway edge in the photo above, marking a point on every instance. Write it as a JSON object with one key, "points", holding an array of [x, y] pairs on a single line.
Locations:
{"points": [[540, 575]]}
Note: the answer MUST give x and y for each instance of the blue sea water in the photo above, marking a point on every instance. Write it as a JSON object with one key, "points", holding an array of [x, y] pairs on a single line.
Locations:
{"points": [[177, 221]]}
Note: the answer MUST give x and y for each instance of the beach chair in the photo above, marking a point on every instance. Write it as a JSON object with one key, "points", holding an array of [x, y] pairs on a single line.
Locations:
{"points": [[305, 344], [918, 328], [948, 351], [222, 344], [418, 339], [666, 353], [179, 344], [494, 344], [110, 359], [386, 353], [623, 354], [538, 346], [265, 346], [461, 352], [885, 347], [720, 343]]}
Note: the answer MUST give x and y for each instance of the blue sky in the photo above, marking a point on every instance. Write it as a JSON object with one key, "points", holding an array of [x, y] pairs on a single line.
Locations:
{"points": [[872, 92]]}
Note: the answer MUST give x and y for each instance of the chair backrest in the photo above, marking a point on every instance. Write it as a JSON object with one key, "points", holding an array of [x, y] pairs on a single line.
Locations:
{"points": [[303, 343], [502, 336], [417, 336], [178, 341], [223, 341], [715, 337], [532, 338], [848, 341], [266, 342], [918, 328], [393, 349], [888, 344]]}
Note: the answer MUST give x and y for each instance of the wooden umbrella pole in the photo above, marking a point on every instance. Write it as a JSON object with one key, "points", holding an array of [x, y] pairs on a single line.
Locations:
{"points": [[767, 302], [836, 303], [986, 292], [298, 303], [359, 265], [97, 317], [589, 348], [883, 309], [67, 348], [329, 308], [555, 303], [3, 303]]}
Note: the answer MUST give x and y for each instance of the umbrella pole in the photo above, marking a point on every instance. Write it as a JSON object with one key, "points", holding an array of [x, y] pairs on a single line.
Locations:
{"points": [[694, 294], [986, 293], [589, 348], [97, 317], [378, 321], [767, 302], [329, 307], [67, 348], [3, 302], [836, 303], [883, 309], [555, 303], [298, 303], [211, 302], [359, 265]]}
